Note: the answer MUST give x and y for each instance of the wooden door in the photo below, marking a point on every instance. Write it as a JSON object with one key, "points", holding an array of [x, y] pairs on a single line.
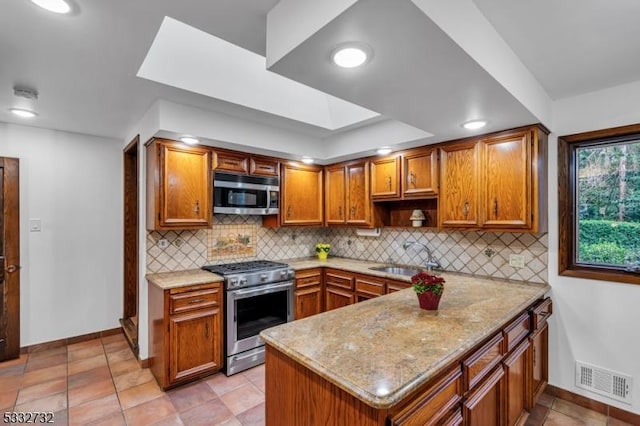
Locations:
{"points": [[516, 367], [385, 178], [308, 301], [195, 344], [482, 406], [9, 259], [336, 297], [540, 363], [459, 186], [186, 180], [301, 195], [358, 194], [506, 181], [420, 174], [234, 162], [335, 199]]}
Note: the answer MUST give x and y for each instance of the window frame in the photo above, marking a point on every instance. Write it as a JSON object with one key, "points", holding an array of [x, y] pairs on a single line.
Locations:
{"points": [[567, 196]]}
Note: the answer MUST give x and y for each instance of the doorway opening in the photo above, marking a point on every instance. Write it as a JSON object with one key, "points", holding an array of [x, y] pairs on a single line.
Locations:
{"points": [[129, 320]]}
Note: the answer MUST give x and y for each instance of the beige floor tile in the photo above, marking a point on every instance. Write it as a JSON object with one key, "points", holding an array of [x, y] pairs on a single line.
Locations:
{"points": [[94, 410], [119, 337], [115, 346], [558, 419], [586, 415], [231, 421], [188, 396], [139, 394], [172, 420], [89, 392], [121, 355], [44, 375], [44, 362], [87, 364], [115, 419], [8, 397], [42, 390], [212, 412], [123, 367], [21, 360], [85, 378], [134, 378], [253, 417], [242, 399], [222, 384], [55, 402], [150, 412], [84, 352]]}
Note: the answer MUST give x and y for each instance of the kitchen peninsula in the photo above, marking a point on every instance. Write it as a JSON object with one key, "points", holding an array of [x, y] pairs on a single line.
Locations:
{"points": [[481, 357]]}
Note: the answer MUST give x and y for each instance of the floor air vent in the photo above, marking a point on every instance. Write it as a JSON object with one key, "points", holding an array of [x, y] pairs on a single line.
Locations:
{"points": [[604, 382]]}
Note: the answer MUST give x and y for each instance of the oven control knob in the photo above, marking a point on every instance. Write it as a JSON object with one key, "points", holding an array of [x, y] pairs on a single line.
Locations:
{"points": [[290, 273], [283, 273], [264, 277], [243, 281], [233, 282]]}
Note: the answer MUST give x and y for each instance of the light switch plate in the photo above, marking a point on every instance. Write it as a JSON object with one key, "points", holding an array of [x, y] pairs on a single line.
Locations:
{"points": [[516, 260], [35, 225]]}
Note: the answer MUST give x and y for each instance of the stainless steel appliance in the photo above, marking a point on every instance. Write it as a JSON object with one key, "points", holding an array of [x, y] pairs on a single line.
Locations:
{"points": [[259, 295], [239, 194]]}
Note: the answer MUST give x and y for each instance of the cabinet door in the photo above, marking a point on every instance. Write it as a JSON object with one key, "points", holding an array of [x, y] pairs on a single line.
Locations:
{"points": [[420, 174], [308, 301], [540, 363], [357, 192], [336, 297], [385, 178], [184, 192], [397, 286], [516, 367], [507, 181], [234, 162], [195, 344], [302, 195], [264, 166], [459, 186], [335, 200], [482, 406]]}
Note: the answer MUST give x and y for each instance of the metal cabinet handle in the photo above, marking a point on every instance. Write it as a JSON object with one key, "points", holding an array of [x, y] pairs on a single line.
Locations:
{"points": [[412, 178], [495, 207], [289, 212], [389, 182], [353, 211], [206, 330], [191, 302], [465, 208], [197, 207]]}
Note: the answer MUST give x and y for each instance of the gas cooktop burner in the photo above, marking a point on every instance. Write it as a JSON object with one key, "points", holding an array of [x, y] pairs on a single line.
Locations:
{"points": [[243, 267]]}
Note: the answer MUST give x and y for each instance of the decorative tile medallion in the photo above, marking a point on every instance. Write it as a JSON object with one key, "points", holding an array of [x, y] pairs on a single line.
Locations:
{"points": [[231, 241]]}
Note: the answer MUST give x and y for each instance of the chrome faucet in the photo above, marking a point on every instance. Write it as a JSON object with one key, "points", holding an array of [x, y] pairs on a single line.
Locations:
{"points": [[431, 263]]}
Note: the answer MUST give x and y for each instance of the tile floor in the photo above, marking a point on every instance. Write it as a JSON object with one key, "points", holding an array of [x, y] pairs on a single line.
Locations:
{"points": [[99, 382]]}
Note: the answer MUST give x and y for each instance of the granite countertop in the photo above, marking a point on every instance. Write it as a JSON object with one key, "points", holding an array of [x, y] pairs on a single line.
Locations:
{"points": [[382, 349], [168, 280]]}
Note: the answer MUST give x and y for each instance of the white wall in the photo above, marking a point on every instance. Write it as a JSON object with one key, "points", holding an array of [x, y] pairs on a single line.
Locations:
{"points": [[594, 321], [71, 278]]}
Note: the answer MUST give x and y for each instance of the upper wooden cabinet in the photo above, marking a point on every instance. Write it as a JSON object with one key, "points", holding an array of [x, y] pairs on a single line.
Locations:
{"points": [[385, 178], [178, 186], [239, 162], [347, 200], [301, 195], [494, 183], [420, 173]]}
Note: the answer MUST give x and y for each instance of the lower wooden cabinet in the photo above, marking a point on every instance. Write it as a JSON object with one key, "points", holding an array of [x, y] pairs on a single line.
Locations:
{"points": [[483, 406], [185, 333], [515, 383], [539, 363], [338, 290], [308, 293]]}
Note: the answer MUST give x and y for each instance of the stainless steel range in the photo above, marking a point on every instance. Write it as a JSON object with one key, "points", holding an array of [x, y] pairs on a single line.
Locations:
{"points": [[259, 295]]}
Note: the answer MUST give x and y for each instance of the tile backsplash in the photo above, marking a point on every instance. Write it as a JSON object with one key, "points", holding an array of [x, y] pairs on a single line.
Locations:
{"points": [[480, 253]]}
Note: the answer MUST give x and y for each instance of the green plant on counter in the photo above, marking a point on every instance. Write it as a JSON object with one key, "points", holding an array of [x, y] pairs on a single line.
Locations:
{"points": [[423, 282], [321, 247]]}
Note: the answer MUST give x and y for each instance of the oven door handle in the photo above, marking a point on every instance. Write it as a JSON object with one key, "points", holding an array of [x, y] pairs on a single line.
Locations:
{"points": [[270, 288]]}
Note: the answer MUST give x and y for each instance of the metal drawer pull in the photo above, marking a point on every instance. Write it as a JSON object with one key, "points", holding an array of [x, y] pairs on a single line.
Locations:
{"points": [[191, 302], [465, 208]]}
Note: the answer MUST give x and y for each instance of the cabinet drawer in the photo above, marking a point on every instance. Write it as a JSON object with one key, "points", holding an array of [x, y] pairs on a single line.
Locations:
{"points": [[516, 331], [478, 365], [308, 278], [264, 167], [434, 404], [192, 300], [337, 279], [370, 286], [232, 162], [397, 286], [540, 313]]}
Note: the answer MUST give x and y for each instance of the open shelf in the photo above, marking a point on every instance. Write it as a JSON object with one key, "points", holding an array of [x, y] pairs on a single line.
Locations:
{"points": [[397, 213]]}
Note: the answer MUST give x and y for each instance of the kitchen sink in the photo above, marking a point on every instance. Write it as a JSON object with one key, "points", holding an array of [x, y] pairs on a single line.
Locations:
{"points": [[397, 270]]}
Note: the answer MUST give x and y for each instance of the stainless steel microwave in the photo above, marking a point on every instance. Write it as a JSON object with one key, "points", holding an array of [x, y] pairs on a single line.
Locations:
{"points": [[239, 194]]}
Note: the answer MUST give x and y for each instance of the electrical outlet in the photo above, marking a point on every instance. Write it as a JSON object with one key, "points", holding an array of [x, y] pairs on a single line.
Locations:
{"points": [[178, 242], [163, 243], [35, 225], [516, 260]]}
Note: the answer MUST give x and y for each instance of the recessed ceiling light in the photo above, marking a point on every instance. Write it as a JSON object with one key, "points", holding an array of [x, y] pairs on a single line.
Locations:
{"points": [[475, 124], [351, 55], [24, 113], [384, 151], [190, 141], [55, 6], [307, 160]]}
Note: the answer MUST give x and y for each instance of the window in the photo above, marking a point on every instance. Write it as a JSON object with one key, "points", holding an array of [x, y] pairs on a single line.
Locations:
{"points": [[599, 204]]}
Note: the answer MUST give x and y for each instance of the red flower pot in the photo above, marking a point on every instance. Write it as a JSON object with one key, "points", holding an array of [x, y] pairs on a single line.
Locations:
{"points": [[429, 301]]}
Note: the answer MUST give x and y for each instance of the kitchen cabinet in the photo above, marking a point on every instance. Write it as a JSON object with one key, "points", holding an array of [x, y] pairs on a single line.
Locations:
{"points": [[308, 292], [185, 335], [385, 178], [482, 406], [539, 372], [368, 287], [242, 163], [179, 186], [394, 285], [339, 287], [347, 194], [496, 182], [420, 173], [515, 383], [301, 195]]}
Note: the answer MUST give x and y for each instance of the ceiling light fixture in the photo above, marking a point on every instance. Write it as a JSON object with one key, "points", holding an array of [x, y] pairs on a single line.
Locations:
{"points": [[384, 150], [55, 6], [307, 160], [475, 124], [351, 55], [189, 140], [24, 113]]}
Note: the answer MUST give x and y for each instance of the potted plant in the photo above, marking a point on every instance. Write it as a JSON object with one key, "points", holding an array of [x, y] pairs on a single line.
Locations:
{"points": [[429, 289], [322, 250]]}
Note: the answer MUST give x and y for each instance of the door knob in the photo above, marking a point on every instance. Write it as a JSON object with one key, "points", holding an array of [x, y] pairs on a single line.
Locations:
{"points": [[12, 268]]}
